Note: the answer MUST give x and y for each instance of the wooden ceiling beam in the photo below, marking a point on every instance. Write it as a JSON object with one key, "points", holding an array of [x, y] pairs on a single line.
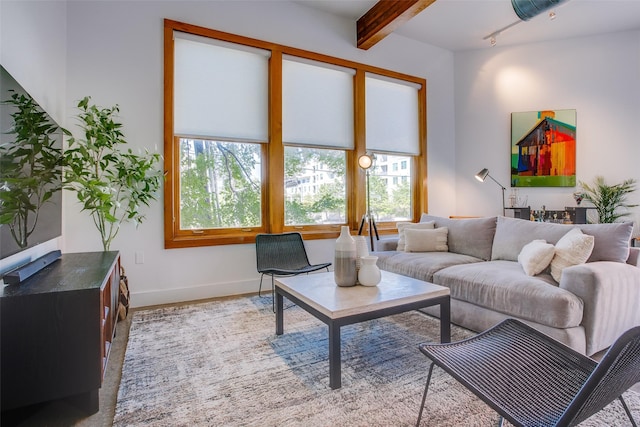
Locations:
{"points": [[384, 17]]}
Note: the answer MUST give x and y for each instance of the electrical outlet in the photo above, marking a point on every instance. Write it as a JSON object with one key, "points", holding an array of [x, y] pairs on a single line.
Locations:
{"points": [[139, 257]]}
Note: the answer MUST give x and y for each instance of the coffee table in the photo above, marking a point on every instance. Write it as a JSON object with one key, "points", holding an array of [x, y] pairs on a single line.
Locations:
{"points": [[337, 306]]}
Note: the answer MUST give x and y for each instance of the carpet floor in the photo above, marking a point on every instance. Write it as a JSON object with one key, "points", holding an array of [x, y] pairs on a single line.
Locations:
{"points": [[219, 363]]}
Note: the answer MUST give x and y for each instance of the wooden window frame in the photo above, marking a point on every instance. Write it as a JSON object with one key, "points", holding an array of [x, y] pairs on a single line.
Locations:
{"points": [[273, 151]]}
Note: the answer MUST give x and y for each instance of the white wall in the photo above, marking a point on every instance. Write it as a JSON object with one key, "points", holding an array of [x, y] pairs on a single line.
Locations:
{"points": [[115, 56], [113, 52], [598, 76], [33, 51]]}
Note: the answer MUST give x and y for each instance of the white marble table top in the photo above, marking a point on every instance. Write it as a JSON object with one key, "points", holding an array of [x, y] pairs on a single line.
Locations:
{"points": [[321, 292]]}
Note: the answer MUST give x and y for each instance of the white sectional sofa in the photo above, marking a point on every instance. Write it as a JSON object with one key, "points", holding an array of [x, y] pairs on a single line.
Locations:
{"points": [[588, 308]]}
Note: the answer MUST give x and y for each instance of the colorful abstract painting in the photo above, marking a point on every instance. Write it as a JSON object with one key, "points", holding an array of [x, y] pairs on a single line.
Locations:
{"points": [[543, 148]]}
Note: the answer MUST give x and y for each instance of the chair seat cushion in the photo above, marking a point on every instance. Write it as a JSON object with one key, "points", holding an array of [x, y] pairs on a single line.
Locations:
{"points": [[296, 271], [504, 287]]}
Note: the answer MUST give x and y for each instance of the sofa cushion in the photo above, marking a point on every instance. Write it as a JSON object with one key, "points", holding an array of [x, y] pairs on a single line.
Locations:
{"points": [[473, 237], [611, 241], [420, 265], [573, 248], [417, 240], [535, 256], [503, 286], [402, 226], [512, 234]]}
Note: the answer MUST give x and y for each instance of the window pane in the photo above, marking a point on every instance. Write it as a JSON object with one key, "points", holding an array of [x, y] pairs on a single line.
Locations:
{"points": [[220, 91], [392, 115], [390, 188], [315, 191], [317, 104], [220, 184]]}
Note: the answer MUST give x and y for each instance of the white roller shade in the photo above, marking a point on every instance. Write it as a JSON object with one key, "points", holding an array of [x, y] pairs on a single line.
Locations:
{"points": [[220, 89], [317, 104], [392, 115]]}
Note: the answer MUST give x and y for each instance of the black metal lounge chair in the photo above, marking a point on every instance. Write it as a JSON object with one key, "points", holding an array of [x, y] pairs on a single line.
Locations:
{"points": [[532, 380], [283, 255]]}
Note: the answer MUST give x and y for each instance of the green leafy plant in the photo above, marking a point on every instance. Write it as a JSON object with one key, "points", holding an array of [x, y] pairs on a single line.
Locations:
{"points": [[111, 183], [609, 199], [30, 167]]}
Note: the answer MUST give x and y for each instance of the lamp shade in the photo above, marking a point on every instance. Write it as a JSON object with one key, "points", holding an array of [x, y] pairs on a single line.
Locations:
{"points": [[482, 175], [365, 161]]}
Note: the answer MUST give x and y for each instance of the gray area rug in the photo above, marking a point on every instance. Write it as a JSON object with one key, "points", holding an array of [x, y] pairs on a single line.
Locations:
{"points": [[220, 363]]}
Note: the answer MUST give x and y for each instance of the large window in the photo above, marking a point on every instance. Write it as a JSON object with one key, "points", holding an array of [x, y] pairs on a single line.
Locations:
{"points": [[265, 138], [317, 131]]}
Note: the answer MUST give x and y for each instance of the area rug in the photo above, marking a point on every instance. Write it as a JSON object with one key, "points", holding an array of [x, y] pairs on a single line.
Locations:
{"points": [[219, 363]]}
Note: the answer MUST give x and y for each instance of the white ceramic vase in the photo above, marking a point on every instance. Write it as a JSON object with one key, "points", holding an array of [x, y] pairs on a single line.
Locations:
{"points": [[369, 274], [344, 267], [361, 249]]}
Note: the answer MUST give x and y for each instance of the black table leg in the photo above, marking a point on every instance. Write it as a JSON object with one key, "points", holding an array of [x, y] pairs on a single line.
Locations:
{"points": [[279, 315], [445, 321], [335, 374]]}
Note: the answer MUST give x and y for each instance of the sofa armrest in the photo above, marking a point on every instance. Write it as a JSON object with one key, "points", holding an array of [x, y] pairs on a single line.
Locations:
{"points": [[387, 244], [634, 256], [610, 292]]}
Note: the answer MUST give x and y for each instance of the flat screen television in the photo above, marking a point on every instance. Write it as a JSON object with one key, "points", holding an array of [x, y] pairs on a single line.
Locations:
{"points": [[42, 224]]}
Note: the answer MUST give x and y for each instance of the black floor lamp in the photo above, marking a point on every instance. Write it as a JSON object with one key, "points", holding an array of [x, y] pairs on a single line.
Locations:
{"points": [[482, 175], [365, 162]]}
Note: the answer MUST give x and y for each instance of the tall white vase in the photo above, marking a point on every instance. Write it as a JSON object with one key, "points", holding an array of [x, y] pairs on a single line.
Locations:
{"points": [[369, 274], [344, 267]]}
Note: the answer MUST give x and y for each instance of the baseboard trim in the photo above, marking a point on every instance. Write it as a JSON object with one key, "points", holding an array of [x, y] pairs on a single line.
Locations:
{"points": [[195, 293]]}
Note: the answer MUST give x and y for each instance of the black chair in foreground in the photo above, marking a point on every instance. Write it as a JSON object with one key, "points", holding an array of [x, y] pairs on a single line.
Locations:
{"points": [[533, 380], [283, 255]]}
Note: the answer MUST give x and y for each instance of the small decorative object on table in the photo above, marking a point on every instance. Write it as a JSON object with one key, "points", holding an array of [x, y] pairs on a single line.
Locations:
{"points": [[345, 259], [578, 196], [514, 198], [361, 249], [369, 274]]}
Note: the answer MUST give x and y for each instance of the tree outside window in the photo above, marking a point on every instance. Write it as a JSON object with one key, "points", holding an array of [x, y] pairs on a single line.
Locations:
{"points": [[220, 184], [326, 202], [390, 191]]}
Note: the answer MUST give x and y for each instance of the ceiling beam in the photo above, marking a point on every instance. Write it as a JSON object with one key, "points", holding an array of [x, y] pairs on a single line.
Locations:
{"points": [[384, 17]]}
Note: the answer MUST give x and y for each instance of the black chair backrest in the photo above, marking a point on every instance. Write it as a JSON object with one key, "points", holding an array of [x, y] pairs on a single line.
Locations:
{"points": [[618, 371], [280, 252]]}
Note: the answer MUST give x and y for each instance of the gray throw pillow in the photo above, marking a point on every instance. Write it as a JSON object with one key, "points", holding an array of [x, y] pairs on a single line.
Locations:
{"points": [[611, 241], [473, 236]]}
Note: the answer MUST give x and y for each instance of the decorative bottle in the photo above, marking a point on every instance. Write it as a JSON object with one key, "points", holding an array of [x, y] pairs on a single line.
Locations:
{"points": [[361, 249], [369, 274], [344, 267]]}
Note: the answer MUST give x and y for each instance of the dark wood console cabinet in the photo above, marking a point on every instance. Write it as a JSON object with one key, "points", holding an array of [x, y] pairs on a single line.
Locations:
{"points": [[56, 330]]}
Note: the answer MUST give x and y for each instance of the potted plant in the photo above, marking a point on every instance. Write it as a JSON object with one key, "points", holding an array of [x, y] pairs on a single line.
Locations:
{"points": [[30, 167], [110, 182], [609, 199]]}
